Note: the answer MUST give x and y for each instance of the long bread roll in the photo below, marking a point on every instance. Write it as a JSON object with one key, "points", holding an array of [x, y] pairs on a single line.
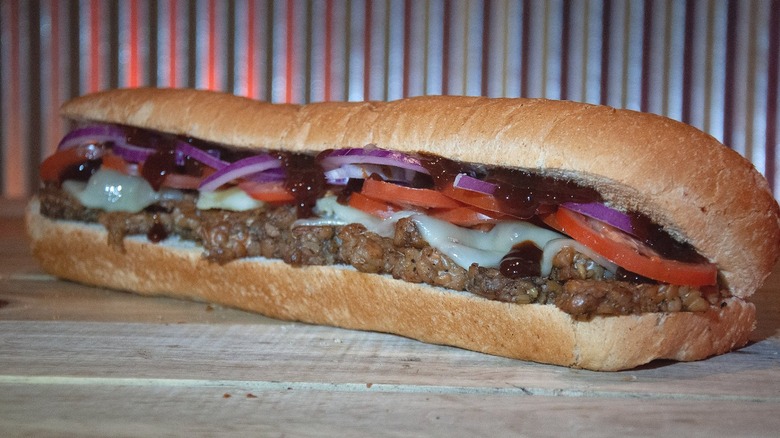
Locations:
{"points": [[700, 192]]}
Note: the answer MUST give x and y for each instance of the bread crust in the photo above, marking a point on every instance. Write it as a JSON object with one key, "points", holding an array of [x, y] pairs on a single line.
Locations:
{"points": [[343, 297], [685, 180]]}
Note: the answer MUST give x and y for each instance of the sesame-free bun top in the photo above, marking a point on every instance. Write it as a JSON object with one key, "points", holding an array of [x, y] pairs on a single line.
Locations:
{"points": [[700, 191]]}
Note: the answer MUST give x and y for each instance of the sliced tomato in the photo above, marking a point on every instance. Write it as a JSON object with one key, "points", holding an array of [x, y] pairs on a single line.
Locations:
{"points": [[52, 167], [550, 219], [401, 195], [482, 201], [179, 181], [274, 192], [115, 162], [630, 253], [466, 216], [184, 181], [371, 206]]}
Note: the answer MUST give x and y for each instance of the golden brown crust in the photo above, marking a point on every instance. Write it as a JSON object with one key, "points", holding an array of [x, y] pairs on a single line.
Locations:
{"points": [[701, 191], [346, 298]]}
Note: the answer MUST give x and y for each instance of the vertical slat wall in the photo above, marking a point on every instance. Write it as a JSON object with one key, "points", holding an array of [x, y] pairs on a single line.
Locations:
{"points": [[710, 63]]}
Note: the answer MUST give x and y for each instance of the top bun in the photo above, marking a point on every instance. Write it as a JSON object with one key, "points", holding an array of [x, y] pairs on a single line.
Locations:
{"points": [[700, 191]]}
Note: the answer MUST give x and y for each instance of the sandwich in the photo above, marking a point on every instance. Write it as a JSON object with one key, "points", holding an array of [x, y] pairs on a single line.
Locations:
{"points": [[549, 231]]}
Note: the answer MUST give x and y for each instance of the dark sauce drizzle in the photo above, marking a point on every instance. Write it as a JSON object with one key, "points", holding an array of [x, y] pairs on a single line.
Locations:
{"points": [[305, 180], [80, 172], [157, 232], [521, 193], [165, 161], [524, 260], [655, 237]]}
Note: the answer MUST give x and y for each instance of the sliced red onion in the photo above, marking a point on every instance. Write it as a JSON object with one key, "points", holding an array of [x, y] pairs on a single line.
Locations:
{"points": [[341, 175], [270, 175], [200, 155], [92, 134], [132, 153], [371, 155], [466, 182], [601, 212], [241, 168]]}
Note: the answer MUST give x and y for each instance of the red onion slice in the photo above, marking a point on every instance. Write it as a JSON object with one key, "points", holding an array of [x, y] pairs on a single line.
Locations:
{"points": [[601, 212], [271, 175], [466, 182], [92, 134], [132, 153], [105, 133], [341, 175], [200, 155], [241, 168], [371, 155]]}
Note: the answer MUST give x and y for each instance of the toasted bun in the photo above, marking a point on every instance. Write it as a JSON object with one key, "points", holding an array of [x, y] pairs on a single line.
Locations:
{"points": [[343, 297], [700, 191]]}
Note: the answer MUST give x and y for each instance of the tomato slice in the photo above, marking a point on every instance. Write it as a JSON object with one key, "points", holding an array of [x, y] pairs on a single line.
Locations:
{"points": [[179, 181], [371, 206], [52, 167], [401, 195], [274, 192], [115, 162], [466, 216], [630, 253], [184, 181], [482, 201]]}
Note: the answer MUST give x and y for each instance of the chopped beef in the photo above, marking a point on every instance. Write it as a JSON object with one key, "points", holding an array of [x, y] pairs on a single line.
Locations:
{"points": [[57, 203], [490, 283], [313, 246], [569, 264], [577, 285], [366, 251]]}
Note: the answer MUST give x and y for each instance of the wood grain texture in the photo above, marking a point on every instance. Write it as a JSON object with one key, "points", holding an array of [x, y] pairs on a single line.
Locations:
{"points": [[293, 411]]}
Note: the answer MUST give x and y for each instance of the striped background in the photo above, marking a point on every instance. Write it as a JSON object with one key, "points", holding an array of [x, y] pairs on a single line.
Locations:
{"points": [[713, 64]]}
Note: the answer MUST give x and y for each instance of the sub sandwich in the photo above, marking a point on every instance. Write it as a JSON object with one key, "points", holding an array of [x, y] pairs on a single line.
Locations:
{"points": [[548, 231]]}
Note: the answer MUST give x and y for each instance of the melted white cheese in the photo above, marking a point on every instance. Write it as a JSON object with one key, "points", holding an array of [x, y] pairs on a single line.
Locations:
{"points": [[463, 245], [233, 199], [466, 246], [110, 190], [330, 212], [554, 246]]}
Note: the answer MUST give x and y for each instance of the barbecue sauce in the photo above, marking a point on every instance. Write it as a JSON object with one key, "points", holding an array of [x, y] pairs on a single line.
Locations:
{"points": [[525, 260], [305, 181], [524, 194], [159, 165], [660, 241], [80, 172], [166, 161], [520, 193], [443, 170], [158, 232]]}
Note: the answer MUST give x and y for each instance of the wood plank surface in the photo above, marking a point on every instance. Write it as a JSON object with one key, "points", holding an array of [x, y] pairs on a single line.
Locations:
{"points": [[191, 409], [81, 361]]}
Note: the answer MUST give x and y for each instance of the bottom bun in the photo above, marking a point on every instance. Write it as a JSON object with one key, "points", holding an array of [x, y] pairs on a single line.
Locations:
{"points": [[343, 297]]}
